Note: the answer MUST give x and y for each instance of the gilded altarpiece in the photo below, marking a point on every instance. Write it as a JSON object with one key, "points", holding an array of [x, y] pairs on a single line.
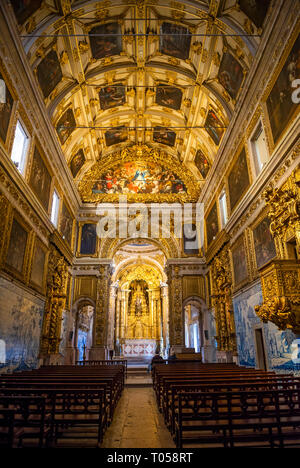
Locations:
{"points": [[281, 277]]}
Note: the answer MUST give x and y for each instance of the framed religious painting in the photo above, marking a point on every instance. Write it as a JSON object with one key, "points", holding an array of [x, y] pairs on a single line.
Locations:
{"points": [[202, 163], [112, 96], [77, 162], [87, 239], [17, 254], [212, 224], [214, 126], [49, 73], [66, 225], [116, 135], [239, 261], [280, 104], [264, 245], [139, 177], [106, 40], [6, 108], [38, 266], [238, 179], [164, 136], [256, 10], [40, 178], [175, 40], [168, 96], [230, 74], [65, 126]]}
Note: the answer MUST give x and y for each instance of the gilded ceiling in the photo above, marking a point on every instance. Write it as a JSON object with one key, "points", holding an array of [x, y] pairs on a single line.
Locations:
{"points": [[164, 74]]}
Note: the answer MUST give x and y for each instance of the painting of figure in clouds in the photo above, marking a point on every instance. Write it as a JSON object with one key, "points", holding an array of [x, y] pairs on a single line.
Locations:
{"points": [[77, 162], [175, 40], [263, 243], [40, 179], [230, 74], [168, 96], [164, 135], [104, 45], [280, 104], [112, 96], [6, 105], [202, 163], [238, 179], [65, 126], [49, 73], [116, 135], [214, 127], [17, 246], [212, 225]]}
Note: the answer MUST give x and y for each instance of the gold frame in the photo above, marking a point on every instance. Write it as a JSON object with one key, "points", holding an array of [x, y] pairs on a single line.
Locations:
{"points": [[142, 153], [200, 148], [243, 144], [8, 140], [64, 202], [262, 215], [36, 144], [224, 121], [38, 242], [78, 254], [76, 148], [270, 87], [24, 275], [245, 71], [58, 116], [240, 240], [205, 222]]}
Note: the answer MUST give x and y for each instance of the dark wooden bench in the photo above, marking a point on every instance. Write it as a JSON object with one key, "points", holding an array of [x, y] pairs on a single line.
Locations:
{"points": [[24, 417], [264, 418]]}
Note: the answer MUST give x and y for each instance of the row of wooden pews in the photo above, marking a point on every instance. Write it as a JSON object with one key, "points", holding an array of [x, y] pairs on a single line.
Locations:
{"points": [[224, 405], [48, 406]]}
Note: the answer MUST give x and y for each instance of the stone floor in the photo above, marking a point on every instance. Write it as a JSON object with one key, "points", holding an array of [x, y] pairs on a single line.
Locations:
{"points": [[137, 422]]}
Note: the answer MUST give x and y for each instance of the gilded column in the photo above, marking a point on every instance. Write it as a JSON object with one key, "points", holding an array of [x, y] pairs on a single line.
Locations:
{"points": [[100, 332], [55, 304], [175, 307]]}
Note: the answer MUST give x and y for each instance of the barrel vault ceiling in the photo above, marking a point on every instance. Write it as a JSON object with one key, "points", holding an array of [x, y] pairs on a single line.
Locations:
{"points": [[116, 73]]}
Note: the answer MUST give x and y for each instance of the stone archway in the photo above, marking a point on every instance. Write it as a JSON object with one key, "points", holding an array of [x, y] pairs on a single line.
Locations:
{"points": [[80, 326], [198, 321], [138, 316]]}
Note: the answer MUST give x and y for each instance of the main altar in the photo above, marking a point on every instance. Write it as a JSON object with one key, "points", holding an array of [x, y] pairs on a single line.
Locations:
{"points": [[139, 323]]}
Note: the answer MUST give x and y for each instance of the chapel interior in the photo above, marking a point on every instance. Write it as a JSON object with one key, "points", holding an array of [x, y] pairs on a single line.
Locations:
{"points": [[149, 205]]}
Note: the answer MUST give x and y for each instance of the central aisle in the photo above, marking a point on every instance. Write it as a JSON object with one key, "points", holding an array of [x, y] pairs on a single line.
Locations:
{"points": [[137, 422]]}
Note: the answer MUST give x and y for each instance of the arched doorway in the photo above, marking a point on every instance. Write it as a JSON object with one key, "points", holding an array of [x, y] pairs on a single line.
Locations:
{"points": [[193, 324], [139, 301], [83, 329]]}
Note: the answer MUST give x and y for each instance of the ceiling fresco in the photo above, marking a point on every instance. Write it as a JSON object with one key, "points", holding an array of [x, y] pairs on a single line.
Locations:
{"points": [[165, 74]]}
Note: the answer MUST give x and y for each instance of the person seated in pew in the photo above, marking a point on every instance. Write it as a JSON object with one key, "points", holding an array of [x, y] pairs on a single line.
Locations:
{"points": [[156, 359]]}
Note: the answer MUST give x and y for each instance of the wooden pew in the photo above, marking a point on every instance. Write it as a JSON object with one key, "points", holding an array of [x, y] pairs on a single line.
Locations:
{"points": [[24, 417], [269, 418]]}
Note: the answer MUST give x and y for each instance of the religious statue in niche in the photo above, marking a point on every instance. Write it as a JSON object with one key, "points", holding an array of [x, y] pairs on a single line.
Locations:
{"points": [[138, 325], [138, 299]]}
